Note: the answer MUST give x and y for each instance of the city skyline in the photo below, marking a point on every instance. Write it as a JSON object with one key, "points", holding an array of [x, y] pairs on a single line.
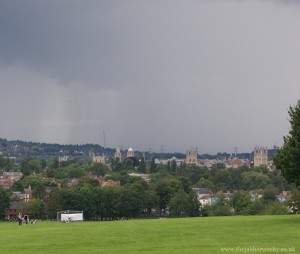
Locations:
{"points": [[209, 74]]}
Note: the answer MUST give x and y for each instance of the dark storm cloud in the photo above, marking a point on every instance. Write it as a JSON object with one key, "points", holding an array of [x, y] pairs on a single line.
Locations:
{"points": [[216, 74]]}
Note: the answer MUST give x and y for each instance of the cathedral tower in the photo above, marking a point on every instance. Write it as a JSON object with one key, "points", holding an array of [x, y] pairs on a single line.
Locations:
{"points": [[260, 156]]}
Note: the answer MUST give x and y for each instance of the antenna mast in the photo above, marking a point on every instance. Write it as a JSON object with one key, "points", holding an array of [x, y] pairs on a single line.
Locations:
{"points": [[104, 139]]}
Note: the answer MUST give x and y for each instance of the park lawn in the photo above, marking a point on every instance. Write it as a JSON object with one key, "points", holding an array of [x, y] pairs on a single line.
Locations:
{"points": [[187, 235]]}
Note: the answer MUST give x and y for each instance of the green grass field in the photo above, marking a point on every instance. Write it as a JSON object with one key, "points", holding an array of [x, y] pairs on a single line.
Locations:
{"points": [[188, 235]]}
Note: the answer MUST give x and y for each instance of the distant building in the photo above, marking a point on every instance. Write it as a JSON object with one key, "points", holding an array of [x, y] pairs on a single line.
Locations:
{"points": [[63, 158], [236, 163], [130, 153], [143, 176], [118, 155], [8, 179], [99, 159], [191, 157], [260, 156]]}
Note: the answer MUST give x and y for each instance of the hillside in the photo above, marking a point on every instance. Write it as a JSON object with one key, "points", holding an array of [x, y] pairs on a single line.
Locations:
{"points": [[82, 152]]}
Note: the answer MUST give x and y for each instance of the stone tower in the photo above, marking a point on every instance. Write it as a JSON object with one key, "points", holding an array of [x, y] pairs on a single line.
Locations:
{"points": [[260, 156], [192, 157], [118, 154], [130, 153]]}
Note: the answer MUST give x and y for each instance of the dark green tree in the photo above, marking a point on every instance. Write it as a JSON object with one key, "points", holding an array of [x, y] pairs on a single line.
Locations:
{"points": [[28, 166], [129, 203], [4, 201], [165, 189], [5, 164], [173, 166], [54, 203], [287, 157], [152, 167], [222, 206], [269, 193], [35, 208], [240, 201], [142, 166], [180, 203], [99, 169]]}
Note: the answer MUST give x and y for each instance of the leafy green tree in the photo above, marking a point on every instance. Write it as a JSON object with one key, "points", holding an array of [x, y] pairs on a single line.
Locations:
{"points": [[37, 184], [129, 163], [117, 165], [150, 201], [86, 180], [18, 186], [173, 166], [255, 208], [99, 169], [5, 164], [165, 189], [153, 167], [142, 166], [129, 203], [240, 201], [179, 203], [194, 207], [204, 183], [269, 193], [111, 199], [87, 204], [54, 203], [4, 200], [275, 208], [73, 170], [222, 206], [222, 179], [186, 184], [54, 163], [43, 163], [254, 180], [28, 166], [287, 157], [35, 208]]}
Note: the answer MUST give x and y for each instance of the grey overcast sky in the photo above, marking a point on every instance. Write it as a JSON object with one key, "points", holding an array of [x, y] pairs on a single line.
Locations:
{"points": [[216, 74]]}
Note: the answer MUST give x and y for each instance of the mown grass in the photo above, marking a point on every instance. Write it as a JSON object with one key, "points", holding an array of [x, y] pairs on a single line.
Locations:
{"points": [[188, 235]]}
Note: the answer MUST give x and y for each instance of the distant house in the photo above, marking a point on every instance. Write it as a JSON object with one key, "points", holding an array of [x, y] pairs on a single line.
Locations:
{"points": [[14, 209], [73, 182], [281, 198], [8, 179], [143, 176], [203, 195], [99, 159], [236, 163], [110, 183]]}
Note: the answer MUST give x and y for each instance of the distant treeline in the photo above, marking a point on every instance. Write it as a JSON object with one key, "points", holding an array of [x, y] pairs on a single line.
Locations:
{"points": [[82, 152]]}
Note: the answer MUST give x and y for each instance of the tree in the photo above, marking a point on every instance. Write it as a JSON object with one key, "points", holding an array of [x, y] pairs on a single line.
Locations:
{"points": [[152, 166], [173, 166], [129, 203], [142, 166], [36, 183], [99, 169], [5, 164], [179, 203], [269, 193], [222, 207], [4, 200], [35, 207], [54, 203], [165, 189], [287, 157], [28, 166], [240, 201]]}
